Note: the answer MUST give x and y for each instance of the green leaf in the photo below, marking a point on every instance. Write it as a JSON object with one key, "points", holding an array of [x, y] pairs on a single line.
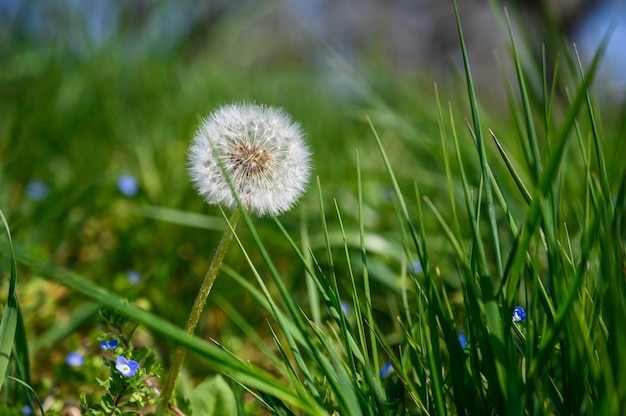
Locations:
{"points": [[11, 313], [213, 397]]}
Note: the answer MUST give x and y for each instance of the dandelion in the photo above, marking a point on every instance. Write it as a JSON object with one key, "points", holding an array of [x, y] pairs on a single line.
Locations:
{"points": [[109, 345], [519, 314], [127, 184], [262, 151], [37, 190], [74, 359], [127, 367], [258, 152]]}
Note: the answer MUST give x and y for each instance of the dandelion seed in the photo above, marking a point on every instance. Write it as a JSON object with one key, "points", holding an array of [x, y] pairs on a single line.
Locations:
{"points": [[109, 345], [127, 184], [262, 151], [128, 368], [37, 190], [519, 314], [74, 359]]}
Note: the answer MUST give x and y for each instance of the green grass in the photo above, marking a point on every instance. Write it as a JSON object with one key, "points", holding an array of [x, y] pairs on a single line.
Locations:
{"points": [[500, 208]]}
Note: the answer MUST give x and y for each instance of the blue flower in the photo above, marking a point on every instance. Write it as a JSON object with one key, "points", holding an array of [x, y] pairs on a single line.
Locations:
{"points": [[386, 370], [109, 345], [127, 184], [74, 359], [128, 368], [462, 340], [519, 314], [345, 307], [37, 190], [133, 276], [27, 410], [416, 267]]}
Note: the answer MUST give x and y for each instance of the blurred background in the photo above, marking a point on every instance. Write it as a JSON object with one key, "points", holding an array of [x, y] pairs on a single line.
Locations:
{"points": [[99, 100]]}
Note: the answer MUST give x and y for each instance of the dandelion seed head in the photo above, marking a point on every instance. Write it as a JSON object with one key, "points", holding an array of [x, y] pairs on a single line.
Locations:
{"points": [[262, 151]]}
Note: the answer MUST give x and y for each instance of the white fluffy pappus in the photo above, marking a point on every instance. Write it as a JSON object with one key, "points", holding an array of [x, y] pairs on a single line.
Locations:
{"points": [[262, 151]]}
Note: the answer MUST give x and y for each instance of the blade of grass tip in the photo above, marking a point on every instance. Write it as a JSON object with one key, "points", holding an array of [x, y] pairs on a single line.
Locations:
{"points": [[312, 291], [456, 245], [446, 163], [405, 212], [364, 270], [219, 360], [363, 352], [343, 324], [482, 153], [528, 115], [329, 255], [516, 114], [31, 391], [549, 172], [516, 178], [595, 134], [10, 316]]}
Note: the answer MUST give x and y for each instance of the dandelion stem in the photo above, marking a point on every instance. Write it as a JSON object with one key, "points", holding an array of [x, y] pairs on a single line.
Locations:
{"points": [[196, 311]]}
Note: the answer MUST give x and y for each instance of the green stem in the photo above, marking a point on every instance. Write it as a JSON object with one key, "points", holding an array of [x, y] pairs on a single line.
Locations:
{"points": [[196, 311]]}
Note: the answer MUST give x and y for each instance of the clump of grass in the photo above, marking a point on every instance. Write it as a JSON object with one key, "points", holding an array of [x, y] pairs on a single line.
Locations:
{"points": [[424, 314]]}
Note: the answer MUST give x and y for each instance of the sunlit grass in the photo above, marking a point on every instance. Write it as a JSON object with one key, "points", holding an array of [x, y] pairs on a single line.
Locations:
{"points": [[443, 220]]}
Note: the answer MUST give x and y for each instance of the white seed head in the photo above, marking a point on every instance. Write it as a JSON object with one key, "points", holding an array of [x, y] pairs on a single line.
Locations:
{"points": [[262, 151]]}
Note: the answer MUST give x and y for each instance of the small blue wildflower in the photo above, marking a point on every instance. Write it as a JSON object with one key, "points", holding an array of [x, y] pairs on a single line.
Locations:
{"points": [[27, 410], [128, 368], [133, 276], [519, 314], [127, 184], [386, 370], [74, 359], [37, 190], [462, 341], [109, 345], [416, 267], [345, 307]]}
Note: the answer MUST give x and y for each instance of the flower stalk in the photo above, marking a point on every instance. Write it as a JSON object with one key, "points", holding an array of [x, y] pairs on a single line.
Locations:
{"points": [[196, 312]]}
